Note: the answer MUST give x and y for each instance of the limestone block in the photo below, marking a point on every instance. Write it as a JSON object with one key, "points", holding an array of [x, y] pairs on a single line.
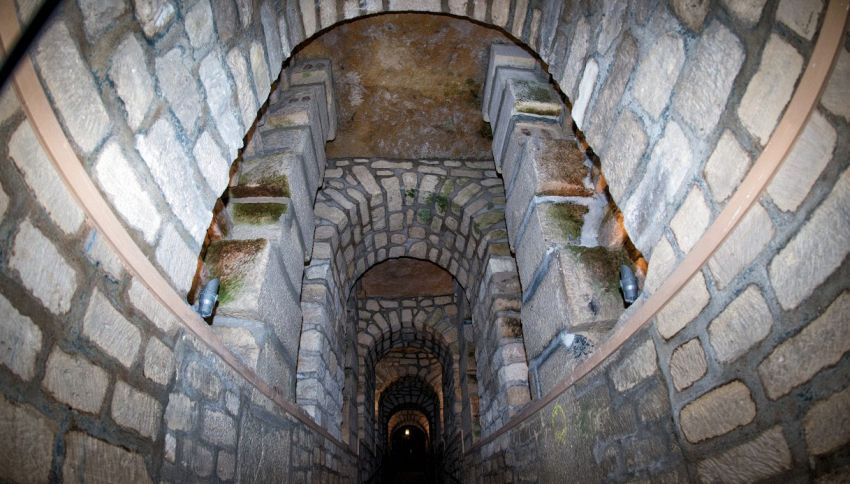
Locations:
{"points": [[755, 460], [745, 322], [276, 367], [180, 413], [691, 12], [214, 167], [257, 218], [219, 100], [800, 15], [648, 207], [199, 24], [91, 460], [836, 97], [706, 81], [657, 73], [799, 171], [524, 99], [197, 457], [302, 106], [620, 160], [260, 69], [104, 326], [203, 380], [500, 80], [576, 59], [100, 254], [638, 365], [612, 24], [154, 15], [585, 91], [74, 381], [159, 361], [171, 168], [225, 465], [318, 71], [520, 134], [176, 258], [42, 269], [604, 110], [133, 82], [81, 108], [726, 167], [136, 410], [299, 142], [263, 450], [27, 452], [99, 16], [20, 341], [827, 423], [218, 428], [272, 38], [244, 89], [820, 344], [742, 246], [548, 225], [691, 220], [503, 55], [809, 258], [180, 88], [240, 340], [683, 308], [717, 412], [43, 179], [747, 11], [308, 16], [149, 307], [687, 364]]}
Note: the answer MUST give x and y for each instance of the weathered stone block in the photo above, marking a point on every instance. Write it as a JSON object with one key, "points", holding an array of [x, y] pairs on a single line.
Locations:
{"points": [[257, 218], [272, 38], [717, 412], [691, 12], [801, 168], [110, 331], [20, 341], [302, 106], [81, 108], [766, 455], [226, 465], [197, 457], [683, 308], [810, 257], [176, 258], [219, 100], [525, 99], [500, 80], [244, 89], [318, 71], [827, 424], [100, 254], [214, 167], [800, 16], [159, 361], [687, 364], [199, 24], [770, 88], [42, 269], [836, 97], [240, 341], [691, 220], [820, 344], [43, 179], [180, 88], [27, 452], [620, 160], [747, 11], [503, 55], [298, 142], [585, 91], [75, 381], [745, 322], [99, 16], [742, 246], [576, 59], [148, 306], [635, 367], [133, 82], [657, 73], [136, 410], [726, 167], [218, 429], [180, 413], [705, 83], [91, 460], [604, 110]]}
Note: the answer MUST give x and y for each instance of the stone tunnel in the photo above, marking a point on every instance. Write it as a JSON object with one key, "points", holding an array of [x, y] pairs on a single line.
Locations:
{"points": [[425, 241]]}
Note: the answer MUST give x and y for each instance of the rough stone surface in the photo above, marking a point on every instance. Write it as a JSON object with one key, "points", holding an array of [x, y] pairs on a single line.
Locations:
{"points": [[218, 429], [657, 73], [576, 59], [836, 97], [621, 159], [770, 88], [43, 179], [585, 91], [717, 412], [739, 249], [661, 264], [110, 331], [219, 100], [799, 171], [159, 361], [260, 69], [691, 12], [91, 460], [136, 410], [211, 162], [800, 15], [635, 367], [827, 424], [20, 341], [8, 103], [820, 344], [163, 154], [180, 88], [691, 220], [705, 83], [604, 110], [747, 11], [766, 455], [199, 24], [98, 251], [809, 258], [80, 108], [4, 203], [683, 308], [75, 381], [744, 322], [176, 258], [132, 80], [226, 465], [42, 269], [27, 451], [154, 15], [148, 306], [99, 16], [244, 90], [180, 412], [726, 167], [687, 364]]}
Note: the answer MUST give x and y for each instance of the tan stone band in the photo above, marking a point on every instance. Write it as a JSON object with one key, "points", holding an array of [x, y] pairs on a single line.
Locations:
{"points": [[778, 146], [49, 132]]}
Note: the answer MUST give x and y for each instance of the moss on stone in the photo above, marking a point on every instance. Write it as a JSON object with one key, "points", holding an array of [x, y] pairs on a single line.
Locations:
{"points": [[258, 213], [229, 260], [488, 219], [424, 215], [603, 265], [272, 186], [568, 219]]}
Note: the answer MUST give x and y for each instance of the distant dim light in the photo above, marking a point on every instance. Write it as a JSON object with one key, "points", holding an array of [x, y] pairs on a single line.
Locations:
{"points": [[407, 432]]}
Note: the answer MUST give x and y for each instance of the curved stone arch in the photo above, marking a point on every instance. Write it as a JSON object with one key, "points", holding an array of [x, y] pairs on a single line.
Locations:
{"points": [[388, 374], [408, 416], [404, 394]]}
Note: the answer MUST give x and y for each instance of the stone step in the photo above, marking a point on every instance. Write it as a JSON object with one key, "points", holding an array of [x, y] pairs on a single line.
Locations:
{"points": [[502, 55], [523, 99], [318, 72]]}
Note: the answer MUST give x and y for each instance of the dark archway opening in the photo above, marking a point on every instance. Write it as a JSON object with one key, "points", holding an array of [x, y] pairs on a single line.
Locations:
{"points": [[410, 458]]}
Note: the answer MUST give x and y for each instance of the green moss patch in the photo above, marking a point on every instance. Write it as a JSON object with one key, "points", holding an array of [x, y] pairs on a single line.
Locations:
{"points": [[568, 219], [273, 186], [230, 261], [257, 213]]}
